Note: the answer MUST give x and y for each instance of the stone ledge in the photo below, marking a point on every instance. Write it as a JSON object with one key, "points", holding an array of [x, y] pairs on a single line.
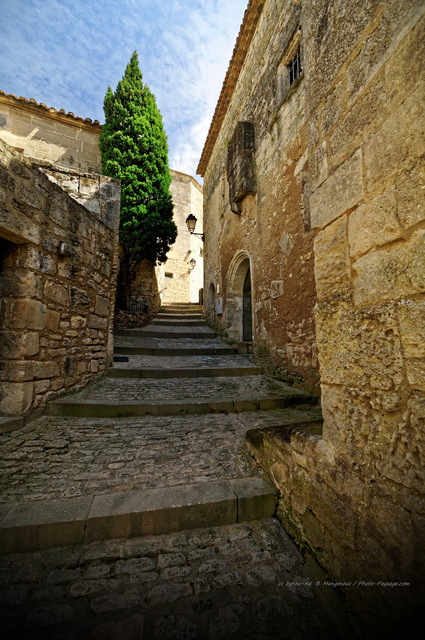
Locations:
{"points": [[47, 523]]}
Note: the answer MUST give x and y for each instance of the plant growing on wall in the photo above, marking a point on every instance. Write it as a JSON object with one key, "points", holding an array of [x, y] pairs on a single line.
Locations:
{"points": [[134, 149]]}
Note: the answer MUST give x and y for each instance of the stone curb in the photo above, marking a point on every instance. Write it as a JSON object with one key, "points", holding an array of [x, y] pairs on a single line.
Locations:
{"points": [[30, 526], [249, 370], [102, 408]]}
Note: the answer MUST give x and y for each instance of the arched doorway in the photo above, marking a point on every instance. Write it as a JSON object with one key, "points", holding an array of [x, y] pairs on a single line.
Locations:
{"points": [[247, 308], [239, 317]]}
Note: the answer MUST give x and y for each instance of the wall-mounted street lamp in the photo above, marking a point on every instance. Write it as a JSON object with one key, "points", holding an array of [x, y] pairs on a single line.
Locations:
{"points": [[192, 264], [191, 224], [62, 249]]}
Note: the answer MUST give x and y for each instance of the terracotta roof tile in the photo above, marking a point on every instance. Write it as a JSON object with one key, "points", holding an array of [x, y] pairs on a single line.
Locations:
{"points": [[52, 110]]}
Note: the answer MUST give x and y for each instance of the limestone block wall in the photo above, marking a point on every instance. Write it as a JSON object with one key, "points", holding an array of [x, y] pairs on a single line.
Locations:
{"points": [[355, 496], [271, 232], [49, 135], [56, 306]]}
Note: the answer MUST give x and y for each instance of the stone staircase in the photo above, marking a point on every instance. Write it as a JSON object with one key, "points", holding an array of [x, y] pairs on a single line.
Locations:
{"points": [[187, 371]]}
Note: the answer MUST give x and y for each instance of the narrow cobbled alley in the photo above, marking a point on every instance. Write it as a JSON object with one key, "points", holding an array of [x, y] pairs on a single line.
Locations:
{"points": [[133, 509]]}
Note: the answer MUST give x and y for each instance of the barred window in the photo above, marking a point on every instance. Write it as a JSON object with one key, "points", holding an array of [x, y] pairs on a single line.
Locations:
{"points": [[290, 69], [294, 68]]}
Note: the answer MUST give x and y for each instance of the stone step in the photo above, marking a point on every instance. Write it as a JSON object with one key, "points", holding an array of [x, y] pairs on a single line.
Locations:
{"points": [[30, 526], [10, 423], [195, 333], [174, 351], [180, 312], [178, 322], [165, 315], [181, 372], [181, 308], [127, 397], [92, 408]]}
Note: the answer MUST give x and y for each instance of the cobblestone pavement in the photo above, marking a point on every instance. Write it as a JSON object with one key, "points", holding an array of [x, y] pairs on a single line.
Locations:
{"points": [[56, 457], [183, 362], [242, 581]]}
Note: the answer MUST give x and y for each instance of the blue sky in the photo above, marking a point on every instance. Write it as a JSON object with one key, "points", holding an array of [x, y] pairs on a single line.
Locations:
{"points": [[65, 53]]}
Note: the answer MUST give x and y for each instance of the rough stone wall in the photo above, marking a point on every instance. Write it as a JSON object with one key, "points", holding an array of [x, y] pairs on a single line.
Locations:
{"points": [[175, 281], [56, 310], [49, 135], [355, 496], [271, 233], [144, 289]]}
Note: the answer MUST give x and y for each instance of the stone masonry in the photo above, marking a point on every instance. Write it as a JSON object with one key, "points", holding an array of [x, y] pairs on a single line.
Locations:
{"points": [[58, 138], [354, 495], [57, 299]]}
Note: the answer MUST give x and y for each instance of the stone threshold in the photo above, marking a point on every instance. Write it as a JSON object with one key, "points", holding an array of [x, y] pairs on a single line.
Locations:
{"points": [[102, 408], [30, 526]]}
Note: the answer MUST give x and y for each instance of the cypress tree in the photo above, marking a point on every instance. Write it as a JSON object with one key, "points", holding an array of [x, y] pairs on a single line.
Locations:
{"points": [[134, 149]]}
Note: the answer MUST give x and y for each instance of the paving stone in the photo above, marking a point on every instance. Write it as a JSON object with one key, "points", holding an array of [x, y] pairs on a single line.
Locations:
{"points": [[237, 580]]}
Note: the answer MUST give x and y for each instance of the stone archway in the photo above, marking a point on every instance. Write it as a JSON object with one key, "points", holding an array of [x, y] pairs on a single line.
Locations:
{"points": [[239, 317]]}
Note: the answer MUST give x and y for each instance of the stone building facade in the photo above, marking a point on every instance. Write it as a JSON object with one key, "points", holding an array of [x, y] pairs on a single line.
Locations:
{"points": [[345, 150], [259, 268], [59, 247], [179, 280], [55, 137]]}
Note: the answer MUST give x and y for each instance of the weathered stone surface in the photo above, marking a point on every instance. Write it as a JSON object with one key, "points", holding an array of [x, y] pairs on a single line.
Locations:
{"points": [[409, 194], [28, 314], [411, 317], [384, 152], [44, 291], [340, 192], [391, 273], [17, 398], [374, 224], [332, 263], [361, 348]]}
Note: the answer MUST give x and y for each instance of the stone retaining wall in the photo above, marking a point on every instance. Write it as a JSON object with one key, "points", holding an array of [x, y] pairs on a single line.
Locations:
{"points": [[57, 303]]}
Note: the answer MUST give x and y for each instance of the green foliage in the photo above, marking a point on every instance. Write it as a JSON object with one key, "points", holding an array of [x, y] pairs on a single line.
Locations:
{"points": [[134, 149]]}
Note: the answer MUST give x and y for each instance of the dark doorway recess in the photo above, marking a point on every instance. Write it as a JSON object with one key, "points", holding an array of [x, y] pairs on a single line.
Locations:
{"points": [[247, 308]]}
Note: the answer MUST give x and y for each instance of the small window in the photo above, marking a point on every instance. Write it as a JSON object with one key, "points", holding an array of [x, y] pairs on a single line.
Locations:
{"points": [[169, 275], [294, 68], [201, 253], [290, 70]]}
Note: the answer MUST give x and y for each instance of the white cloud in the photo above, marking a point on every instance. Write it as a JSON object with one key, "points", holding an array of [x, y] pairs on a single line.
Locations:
{"points": [[65, 53]]}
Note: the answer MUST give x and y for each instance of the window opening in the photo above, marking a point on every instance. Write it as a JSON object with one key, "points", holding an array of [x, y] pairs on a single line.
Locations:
{"points": [[294, 68]]}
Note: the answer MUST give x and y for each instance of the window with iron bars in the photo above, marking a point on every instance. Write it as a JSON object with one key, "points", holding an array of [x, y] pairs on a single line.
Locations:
{"points": [[294, 68]]}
